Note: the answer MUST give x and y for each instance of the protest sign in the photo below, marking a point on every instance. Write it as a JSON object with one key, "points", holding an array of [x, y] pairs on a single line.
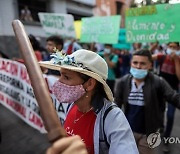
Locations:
{"points": [[77, 26], [100, 29], [153, 23], [57, 24], [122, 44], [17, 95]]}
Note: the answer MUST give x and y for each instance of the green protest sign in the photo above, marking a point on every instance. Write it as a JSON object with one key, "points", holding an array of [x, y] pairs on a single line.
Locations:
{"points": [[153, 23], [122, 44], [100, 29], [57, 24]]}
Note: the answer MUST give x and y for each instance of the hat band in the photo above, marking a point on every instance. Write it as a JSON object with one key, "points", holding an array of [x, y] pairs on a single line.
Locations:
{"points": [[60, 58]]}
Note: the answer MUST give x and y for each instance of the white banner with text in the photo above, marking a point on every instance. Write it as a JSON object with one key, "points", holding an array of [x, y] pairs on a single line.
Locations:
{"points": [[17, 95]]}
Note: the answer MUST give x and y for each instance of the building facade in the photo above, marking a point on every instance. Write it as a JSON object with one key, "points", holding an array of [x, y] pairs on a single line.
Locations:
{"points": [[15, 9], [112, 7]]}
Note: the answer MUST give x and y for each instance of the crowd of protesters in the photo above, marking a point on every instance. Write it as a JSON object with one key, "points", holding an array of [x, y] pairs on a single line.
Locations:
{"points": [[146, 70], [162, 66]]}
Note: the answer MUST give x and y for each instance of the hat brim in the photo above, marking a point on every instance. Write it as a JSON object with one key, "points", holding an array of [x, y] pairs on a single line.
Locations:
{"points": [[49, 65]]}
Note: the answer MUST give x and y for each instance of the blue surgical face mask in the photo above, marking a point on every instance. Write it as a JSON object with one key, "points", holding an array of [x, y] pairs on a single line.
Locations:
{"points": [[138, 73], [178, 53], [168, 51], [107, 50]]}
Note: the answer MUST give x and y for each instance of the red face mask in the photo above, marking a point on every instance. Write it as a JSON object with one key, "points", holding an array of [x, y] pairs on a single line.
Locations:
{"points": [[67, 94]]}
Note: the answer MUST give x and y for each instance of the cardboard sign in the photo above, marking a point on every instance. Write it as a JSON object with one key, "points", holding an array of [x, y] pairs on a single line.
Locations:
{"points": [[57, 24], [153, 23], [100, 29]]}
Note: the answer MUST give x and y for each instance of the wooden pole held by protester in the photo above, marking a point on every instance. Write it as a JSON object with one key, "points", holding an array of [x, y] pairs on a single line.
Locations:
{"points": [[47, 110]]}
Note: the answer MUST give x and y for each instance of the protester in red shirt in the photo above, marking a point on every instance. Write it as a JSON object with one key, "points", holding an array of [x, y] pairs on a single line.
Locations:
{"points": [[170, 71], [92, 114]]}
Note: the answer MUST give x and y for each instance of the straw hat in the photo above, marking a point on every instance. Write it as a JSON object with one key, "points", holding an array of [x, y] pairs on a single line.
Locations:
{"points": [[83, 61]]}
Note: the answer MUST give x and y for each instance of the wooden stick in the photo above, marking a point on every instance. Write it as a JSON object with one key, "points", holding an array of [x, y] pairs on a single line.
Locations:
{"points": [[47, 110]]}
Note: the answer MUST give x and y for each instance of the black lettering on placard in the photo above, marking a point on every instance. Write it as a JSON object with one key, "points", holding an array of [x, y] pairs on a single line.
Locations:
{"points": [[16, 83], [35, 108], [2, 87], [29, 103], [10, 92], [30, 92], [13, 82], [14, 94]]}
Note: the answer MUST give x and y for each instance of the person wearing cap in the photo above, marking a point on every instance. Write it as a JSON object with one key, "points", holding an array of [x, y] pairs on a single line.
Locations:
{"points": [[83, 84], [143, 95]]}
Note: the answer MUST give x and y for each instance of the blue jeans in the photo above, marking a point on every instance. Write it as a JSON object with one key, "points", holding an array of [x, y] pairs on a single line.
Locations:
{"points": [[170, 120]]}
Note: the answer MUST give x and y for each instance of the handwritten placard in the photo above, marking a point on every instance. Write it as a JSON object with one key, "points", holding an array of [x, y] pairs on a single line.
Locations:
{"points": [[100, 29], [57, 24], [153, 23]]}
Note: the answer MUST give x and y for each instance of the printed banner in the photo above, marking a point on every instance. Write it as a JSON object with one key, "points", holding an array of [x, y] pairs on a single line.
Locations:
{"points": [[153, 23], [100, 29], [58, 24], [17, 95]]}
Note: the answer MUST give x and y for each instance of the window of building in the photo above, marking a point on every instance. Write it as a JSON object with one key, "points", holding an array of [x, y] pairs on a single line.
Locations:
{"points": [[29, 9], [118, 7], [78, 16]]}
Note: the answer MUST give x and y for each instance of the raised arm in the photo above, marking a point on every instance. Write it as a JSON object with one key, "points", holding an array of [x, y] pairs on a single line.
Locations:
{"points": [[154, 57], [177, 66]]}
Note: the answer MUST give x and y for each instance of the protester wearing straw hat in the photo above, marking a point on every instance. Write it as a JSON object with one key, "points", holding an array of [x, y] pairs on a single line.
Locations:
{"points": [[92, 114]]}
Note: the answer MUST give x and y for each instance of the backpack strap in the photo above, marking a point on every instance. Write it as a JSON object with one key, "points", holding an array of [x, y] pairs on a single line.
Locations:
{"points": [[104, 117]]}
